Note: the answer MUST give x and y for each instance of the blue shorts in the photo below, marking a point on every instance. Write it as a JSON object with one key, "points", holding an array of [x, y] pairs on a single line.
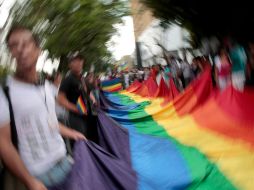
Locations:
{"points": [[58, 173]]}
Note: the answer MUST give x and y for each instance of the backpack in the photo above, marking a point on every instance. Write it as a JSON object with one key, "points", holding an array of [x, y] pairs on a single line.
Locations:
{"points": [[14, 136]]}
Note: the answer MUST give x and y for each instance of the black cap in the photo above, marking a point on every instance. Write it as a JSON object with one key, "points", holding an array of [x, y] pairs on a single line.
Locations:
{"points": [[74, 56]]}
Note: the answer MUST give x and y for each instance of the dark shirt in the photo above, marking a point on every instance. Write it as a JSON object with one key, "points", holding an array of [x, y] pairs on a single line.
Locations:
{"points": [[71, 87], [90, 87], [196, 71]]}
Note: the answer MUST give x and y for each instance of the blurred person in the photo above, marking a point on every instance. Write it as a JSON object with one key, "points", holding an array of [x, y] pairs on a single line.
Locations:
{"points": [[108, 75], [174, 67], [90, 81], [175, 72], [36, 150], [134, 75], [102, 77], [74, 94], [146, 73], [239, 60], [131, 76], [167, 74], [250, 70], [187, 72], [223, 69], [205, 62], [180, 72], [126, 79], [118, 75], [135, 72], [97, 89], [60, 111], [196, 66], [92, 85], [141, 74], [154, 71], [114, 73], [160, 74]]}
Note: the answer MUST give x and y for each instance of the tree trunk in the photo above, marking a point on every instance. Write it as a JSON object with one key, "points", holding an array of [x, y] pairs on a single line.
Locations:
{"points": [[63, 65], [139, 56]]}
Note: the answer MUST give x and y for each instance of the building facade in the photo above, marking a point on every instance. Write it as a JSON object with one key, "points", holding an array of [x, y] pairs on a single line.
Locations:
{"points": [[152, 39]]}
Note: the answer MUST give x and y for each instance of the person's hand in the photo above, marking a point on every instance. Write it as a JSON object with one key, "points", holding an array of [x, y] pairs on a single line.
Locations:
{"points": [[77, 135], [35, 184], [75, 110], [95, 103], [72, 107]]}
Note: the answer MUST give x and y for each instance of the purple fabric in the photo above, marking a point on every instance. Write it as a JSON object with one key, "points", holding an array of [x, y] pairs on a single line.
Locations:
{"points": [[113, 138], [106, 166]]}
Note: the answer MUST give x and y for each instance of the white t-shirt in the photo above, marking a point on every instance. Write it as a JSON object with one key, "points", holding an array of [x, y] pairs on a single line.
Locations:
{"points": [[158, 79], [186, 68], [217, 62], [60, 110], [40, 143], [126, 80]]}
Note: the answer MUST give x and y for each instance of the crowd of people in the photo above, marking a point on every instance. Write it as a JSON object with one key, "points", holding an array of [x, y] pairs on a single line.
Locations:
{"points": [[232, 65], [33, 123], [32, 148]]}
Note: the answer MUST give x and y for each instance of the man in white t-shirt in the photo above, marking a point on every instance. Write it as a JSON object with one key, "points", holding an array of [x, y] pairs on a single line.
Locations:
{"points": [[41, 150]]}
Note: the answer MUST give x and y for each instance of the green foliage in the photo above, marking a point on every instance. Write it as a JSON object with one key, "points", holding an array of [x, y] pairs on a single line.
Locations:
{"points": [[4, 71], [67, 26], [207, 18]]}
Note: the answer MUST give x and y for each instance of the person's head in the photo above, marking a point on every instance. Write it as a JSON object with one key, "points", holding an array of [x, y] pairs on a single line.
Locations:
{"points": [[251, 47], [172, 58], [196, 61], [157, 67], [24, 47], [251, 51], [222, 51], [232, 43], [90, 77], [76, 63]]}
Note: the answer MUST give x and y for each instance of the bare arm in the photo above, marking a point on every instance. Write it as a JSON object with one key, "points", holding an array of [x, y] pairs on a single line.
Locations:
{"points": [[200, 67], [13, 161], [70, 133], [93, 98], [62, 100]]}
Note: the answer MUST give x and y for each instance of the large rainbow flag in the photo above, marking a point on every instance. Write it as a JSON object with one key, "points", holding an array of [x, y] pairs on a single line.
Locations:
{"points": [[211, 135], [202, 139], [113, 85]]}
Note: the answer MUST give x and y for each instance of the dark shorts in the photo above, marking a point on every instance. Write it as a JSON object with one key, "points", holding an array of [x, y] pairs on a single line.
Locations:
{"points": [[78, 123]]}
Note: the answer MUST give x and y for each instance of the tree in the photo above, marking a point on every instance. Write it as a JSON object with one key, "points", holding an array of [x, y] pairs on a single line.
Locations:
{"points": [[207, 18], [4, 71], [66, 26]]}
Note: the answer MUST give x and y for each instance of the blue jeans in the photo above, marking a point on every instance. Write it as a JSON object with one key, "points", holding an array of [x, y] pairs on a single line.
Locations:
{"points": [[58, 173]]}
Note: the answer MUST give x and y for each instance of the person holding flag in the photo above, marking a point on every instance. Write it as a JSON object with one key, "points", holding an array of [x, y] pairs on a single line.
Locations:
{"points": [[74, 95]]}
